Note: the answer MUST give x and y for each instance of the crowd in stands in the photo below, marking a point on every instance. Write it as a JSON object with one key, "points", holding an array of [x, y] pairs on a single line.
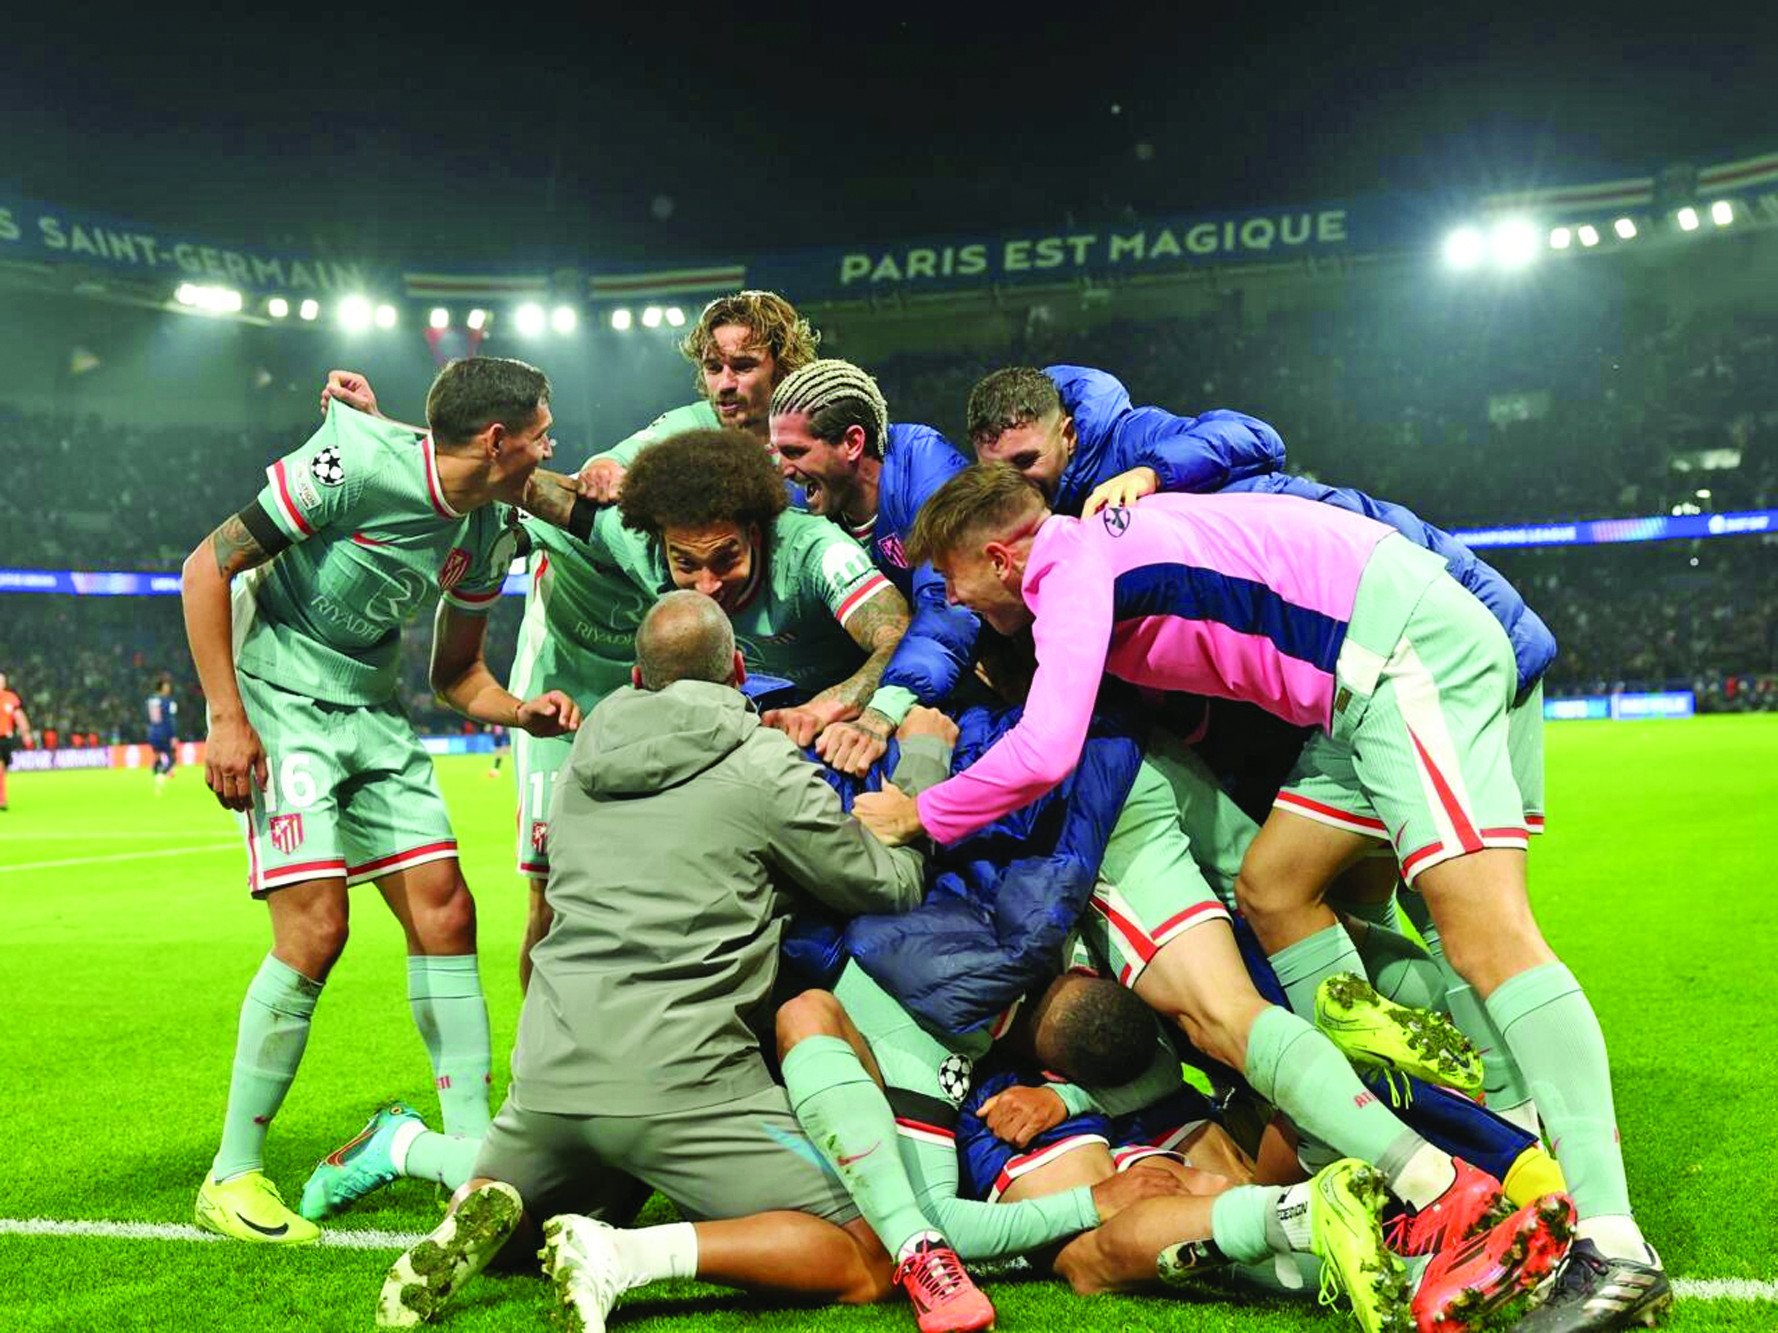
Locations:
{"points": [[1576, 408]]}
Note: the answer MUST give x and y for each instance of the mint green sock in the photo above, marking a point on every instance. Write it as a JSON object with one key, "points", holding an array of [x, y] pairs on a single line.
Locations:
{"points": [[442, 1158], [1244, 1223], [849, 1121], [1503, 1081], [980, 1230], [269, 1043], [1303, 966], [445, 995], [1555, 1036], [1375, 914], [1296, 1068], [1400, 969]]}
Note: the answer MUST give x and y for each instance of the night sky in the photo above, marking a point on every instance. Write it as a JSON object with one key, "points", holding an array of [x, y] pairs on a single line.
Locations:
{"points": [[744, 129]]}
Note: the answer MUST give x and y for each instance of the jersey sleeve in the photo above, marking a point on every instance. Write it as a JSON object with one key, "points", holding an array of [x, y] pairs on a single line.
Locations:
{"points": [[667, 424], [495, 544], [323, 482], [838, 571], [1045, 745]]}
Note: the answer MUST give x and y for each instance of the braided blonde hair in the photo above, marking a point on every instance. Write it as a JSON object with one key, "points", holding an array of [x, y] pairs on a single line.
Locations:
{"points": [[835, 394]]}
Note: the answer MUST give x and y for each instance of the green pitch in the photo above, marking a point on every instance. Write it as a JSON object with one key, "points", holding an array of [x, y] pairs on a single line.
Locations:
{"points": [[127, 940]]}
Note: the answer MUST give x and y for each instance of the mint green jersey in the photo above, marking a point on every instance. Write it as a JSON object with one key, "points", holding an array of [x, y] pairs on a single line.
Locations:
{"points": [[584, 602], [372, 534]]}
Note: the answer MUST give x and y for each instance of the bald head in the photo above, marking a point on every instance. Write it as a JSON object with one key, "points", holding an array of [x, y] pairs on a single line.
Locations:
{"points": [[684, 636]]}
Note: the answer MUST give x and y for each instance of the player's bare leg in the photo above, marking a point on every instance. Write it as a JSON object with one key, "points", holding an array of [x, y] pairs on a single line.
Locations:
{"points": [[437, 913]]}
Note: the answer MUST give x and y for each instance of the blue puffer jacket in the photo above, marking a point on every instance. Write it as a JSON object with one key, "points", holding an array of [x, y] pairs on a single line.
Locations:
{"points": [[1002, 902], [1200, 454], [1534, 647], [940, 642]]}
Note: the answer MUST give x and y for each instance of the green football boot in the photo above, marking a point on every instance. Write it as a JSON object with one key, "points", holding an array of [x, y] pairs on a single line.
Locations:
{"points": [[1375, 1033], [1346, 1203], [366, 1162]]}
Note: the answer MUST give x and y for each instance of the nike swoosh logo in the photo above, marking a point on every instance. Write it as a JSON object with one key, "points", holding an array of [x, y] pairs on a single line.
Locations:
{"points": [[847, 1161], [278, 1230]]}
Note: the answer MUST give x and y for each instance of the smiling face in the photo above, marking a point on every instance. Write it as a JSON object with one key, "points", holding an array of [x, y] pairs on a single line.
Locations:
{"points": [[988, 581], [520, 452], [1038, 449], [827, 471], [739, 374], [718, 560]]}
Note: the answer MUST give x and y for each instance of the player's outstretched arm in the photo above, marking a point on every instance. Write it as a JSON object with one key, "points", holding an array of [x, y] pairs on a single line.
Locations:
{"points": [[234, 757], [460, 677], [877, 627]]}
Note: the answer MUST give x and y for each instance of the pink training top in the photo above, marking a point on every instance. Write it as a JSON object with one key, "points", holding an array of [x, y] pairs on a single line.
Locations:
{"points": [[1242, 596]]}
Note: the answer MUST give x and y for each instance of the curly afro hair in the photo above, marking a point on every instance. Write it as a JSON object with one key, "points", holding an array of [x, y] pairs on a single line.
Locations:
{"points": [[699, 478]]}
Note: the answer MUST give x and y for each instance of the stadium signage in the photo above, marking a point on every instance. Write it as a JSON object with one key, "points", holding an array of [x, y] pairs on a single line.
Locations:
{"points": [[31, 229], [1107, 252], [101, 756]]}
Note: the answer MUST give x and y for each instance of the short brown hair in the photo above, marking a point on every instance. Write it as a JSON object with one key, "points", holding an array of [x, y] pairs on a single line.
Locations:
{"points": [[473, 392], [702, 477], [983, 498], [773, 321], [1014, 396]]}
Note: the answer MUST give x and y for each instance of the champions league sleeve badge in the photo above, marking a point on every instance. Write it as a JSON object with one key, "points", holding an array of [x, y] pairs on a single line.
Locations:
{"points": [[327, 468]]}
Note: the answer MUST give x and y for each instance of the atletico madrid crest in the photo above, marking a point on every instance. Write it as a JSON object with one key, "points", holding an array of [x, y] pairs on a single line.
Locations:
{"points": [[456, 565], [539, 834], [286, 831]]}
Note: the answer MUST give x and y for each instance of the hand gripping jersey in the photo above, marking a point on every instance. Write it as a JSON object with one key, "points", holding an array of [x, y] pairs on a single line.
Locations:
{"points": [[373, 535], [1203, 453], [1231, 596]]}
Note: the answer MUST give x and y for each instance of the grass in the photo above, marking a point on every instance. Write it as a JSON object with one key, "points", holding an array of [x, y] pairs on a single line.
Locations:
{"points": [[121, 980]]}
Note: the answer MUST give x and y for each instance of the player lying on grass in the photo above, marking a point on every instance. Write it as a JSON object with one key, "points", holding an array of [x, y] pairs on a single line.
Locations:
{"points": [[1074, 432], [1331, 619], [309, 741], [681, 823]]}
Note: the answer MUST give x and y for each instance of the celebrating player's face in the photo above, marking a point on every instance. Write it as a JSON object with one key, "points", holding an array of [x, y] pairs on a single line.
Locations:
{"points": [[824, 471], [525, 449], [739, 375], [1038, 449], [717, 561], [979, 580]]}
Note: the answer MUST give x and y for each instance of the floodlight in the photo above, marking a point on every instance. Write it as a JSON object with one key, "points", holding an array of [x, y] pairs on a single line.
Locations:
{"points": [[1625, 229], [1560, 238], [440, 318], [1464, 248], [309, 309], [530, 319], [1688, 219], [277, 307], [186, 293], [477, 318], [1589, 235], [563, 319], [385, 316], [1722, 212], [1513, 243], [620, 319], [651, 317], [675, 316], [226, 300], [355, 313]]}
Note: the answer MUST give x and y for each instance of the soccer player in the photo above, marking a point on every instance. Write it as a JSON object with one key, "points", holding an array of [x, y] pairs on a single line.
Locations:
{"points": [[339, 549], [581, 612], [502, 738], [15, 728], [1329, 619], [162, 711], [833, 437]]}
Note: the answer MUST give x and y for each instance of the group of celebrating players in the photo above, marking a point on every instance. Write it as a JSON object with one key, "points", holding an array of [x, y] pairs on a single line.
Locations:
{"points": [[1041, 699]]}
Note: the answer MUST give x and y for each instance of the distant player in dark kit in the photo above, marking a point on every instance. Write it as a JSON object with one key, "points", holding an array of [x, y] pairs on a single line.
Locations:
{"points": [[163, 725]]}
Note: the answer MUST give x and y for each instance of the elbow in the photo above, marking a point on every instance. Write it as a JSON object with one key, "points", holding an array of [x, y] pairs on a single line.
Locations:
{"points": [[192, 572]]}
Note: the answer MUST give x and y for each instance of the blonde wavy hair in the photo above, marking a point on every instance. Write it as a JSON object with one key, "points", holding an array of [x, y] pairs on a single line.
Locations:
{"points": [[775, 325]]}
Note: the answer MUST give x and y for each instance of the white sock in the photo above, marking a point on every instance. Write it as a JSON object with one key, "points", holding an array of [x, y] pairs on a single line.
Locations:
{"points": [[401, 1141], [1524, 1115], [917, 1239], [1425, 1175], [1293, 1216], [1617, 1236], [650, 1254]]}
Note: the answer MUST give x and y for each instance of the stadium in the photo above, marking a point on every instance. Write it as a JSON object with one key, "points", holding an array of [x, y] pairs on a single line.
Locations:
{"points": [[1554, 351]]}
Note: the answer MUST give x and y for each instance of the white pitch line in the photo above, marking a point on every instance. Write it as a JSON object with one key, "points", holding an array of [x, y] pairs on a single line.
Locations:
{"points": [[119, 856], [1686, 1288], [46, 1226]]}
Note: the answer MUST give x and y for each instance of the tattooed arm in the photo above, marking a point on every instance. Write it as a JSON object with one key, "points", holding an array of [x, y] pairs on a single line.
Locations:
{"points": [[556, 500], [876, 627], [234, 754]]}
